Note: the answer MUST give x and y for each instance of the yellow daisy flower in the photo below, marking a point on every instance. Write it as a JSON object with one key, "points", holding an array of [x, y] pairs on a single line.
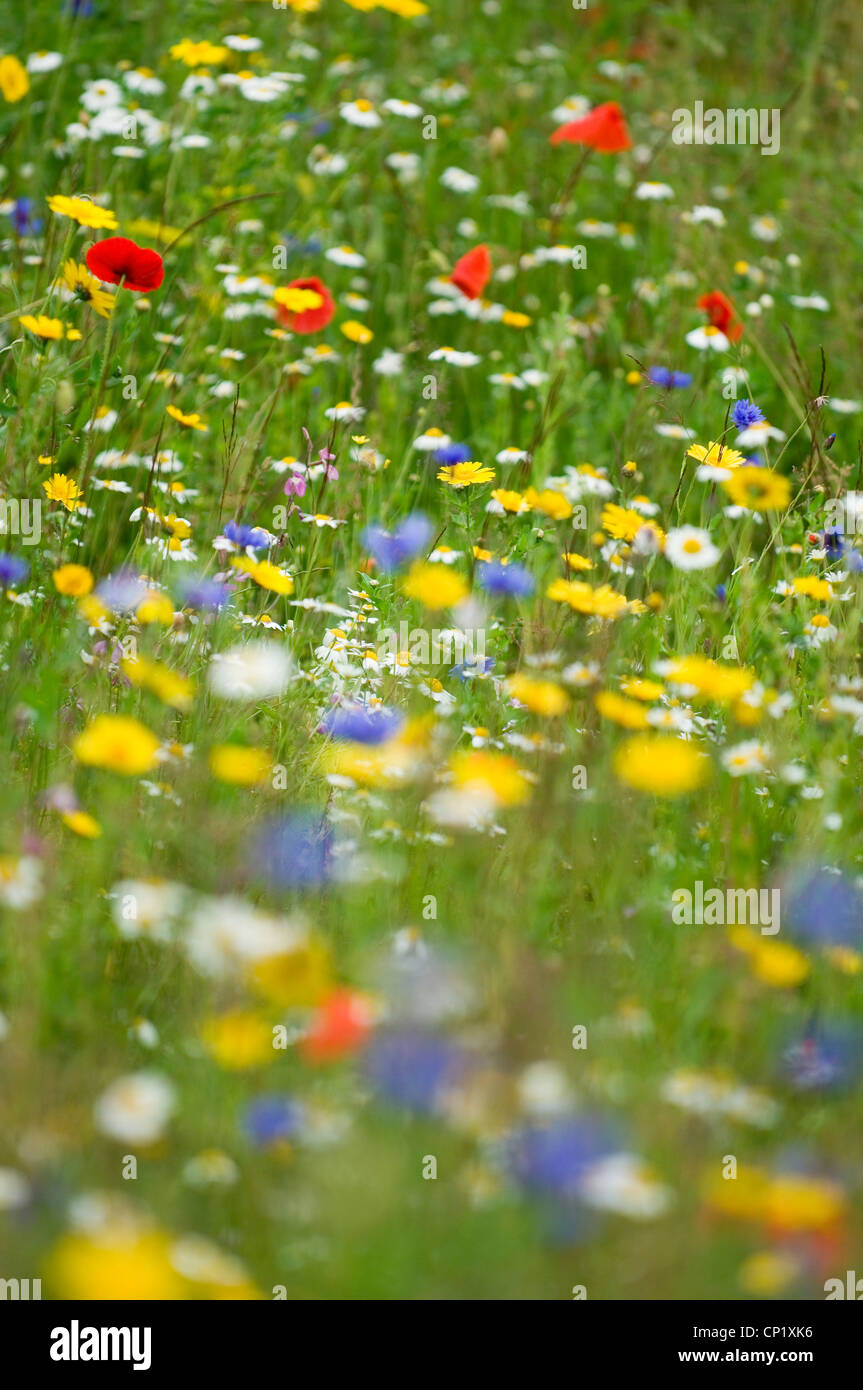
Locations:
{"points": [[461, 475], [758, 489], [83, 211], [64, 490]]}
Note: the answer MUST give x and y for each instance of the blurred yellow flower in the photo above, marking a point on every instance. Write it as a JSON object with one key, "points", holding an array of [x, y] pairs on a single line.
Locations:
{"points": [[356, 332], [239, 1040], [295, 979], [494, 774], [41, 326], [775, 963], [83, 211], [434, 585], [155, 607], [195, 55], [709, 678], [661, 765], [269, 576], [602, 602], [117, 743], [75, 580], [191, 422], [629, 714], [82, 823], [245, 767], [540, 697], [552, 504], [122, 1263], [14, 82], [758, 489], [167, 685]]}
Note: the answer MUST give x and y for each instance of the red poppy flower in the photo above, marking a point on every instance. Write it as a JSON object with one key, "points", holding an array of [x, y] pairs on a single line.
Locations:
{"points": [[720, 312], [603, 128], [305, 306], [117, 258], [472, 273], [340, 1027]]}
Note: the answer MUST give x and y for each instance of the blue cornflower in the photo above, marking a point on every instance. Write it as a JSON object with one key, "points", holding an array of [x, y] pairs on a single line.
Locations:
{"points": [[12, 569], [412, 1068], [745, 413], [295, 851], [833, 542], [449, 454], [476, 666], [253, 536], [825, 908], [554, 1158], [664, 376], [203, 593], [22, 218], [122, 591], [508, 581], [361, 725], [392, 549], [824, 1057], [272, 1119]]}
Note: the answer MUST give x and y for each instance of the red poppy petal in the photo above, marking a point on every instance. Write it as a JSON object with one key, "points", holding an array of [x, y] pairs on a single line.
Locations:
{"points": [[472, 272], [604, 129], [308, 320], [118, 260]]}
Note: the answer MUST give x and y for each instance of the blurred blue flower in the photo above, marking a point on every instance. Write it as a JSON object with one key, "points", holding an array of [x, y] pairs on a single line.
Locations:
{"points": [[12, 569], [508, 581], [203, 593], [242, 535], [823, 907], [22, 218], [825, 1057], [272, 1119], [412, 1069], [476, 666], [449, 454], [122, 591], [392, 549], [664, 376], [295, 851], [554, 1158], [359, 724]]}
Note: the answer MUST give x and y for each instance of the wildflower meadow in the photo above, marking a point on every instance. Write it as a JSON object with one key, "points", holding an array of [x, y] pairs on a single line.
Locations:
{"points": [[431, 576]]}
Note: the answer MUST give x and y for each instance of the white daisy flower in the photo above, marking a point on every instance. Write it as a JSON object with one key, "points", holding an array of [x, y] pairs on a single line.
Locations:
{"points": [[459, 180], [345, 255], [136, 1108], [360, 113], [402, 108], [690, 548], [653, 192], [708, 339]]}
